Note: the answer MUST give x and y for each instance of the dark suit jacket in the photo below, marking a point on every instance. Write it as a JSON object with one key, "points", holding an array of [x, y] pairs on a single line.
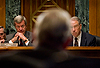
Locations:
{"points": [[86, 40], [45, 58], [27, 34]]}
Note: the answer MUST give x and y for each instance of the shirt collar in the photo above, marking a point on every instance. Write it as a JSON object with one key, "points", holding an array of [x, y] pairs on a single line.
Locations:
{"points": [[79, 35]]}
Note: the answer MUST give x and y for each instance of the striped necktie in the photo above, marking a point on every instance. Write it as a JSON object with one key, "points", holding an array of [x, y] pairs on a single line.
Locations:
{"points": [[76, 42]]}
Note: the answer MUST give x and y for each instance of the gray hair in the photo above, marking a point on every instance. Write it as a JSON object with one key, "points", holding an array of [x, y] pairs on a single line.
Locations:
{"points": [[3, 29], [75, 18], [52, 27], [19, 19]]}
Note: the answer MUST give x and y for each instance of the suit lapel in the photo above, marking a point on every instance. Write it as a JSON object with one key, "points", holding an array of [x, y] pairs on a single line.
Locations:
{"points": [[26, 34], [83, 39]]}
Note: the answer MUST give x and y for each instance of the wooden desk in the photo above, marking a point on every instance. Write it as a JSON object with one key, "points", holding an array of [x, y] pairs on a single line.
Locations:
{"points": [[67, 48], [90, 52], [17, 48], [83, 48]]}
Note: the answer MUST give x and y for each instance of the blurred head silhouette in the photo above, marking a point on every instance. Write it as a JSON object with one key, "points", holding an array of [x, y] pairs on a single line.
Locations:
{"points": [[2, 33], [52, 29]]}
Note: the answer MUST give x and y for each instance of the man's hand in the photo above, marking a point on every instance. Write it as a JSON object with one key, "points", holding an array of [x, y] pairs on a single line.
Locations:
{"points": [[14, 38], [21, 36]]}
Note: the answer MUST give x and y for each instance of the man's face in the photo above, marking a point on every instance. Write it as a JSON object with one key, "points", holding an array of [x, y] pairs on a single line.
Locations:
{"points": [[20, 27], [75, 28], [2, 34]]}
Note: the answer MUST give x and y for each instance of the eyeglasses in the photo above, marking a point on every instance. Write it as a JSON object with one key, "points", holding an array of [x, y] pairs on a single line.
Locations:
{"points": [[20, 26], [1, 34], [75, 27]]}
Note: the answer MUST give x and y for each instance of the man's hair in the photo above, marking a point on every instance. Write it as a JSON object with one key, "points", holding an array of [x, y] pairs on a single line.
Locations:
{"points": [[3, 29], [75, 18], [19, 19], [52, 27]]}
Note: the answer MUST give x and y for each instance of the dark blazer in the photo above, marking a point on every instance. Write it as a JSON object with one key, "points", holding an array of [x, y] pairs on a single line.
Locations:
{"points": [[86, 40], [27, 34]]}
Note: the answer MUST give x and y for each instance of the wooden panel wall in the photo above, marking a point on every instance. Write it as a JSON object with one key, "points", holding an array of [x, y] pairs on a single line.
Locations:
{"points": [[72, 7], [25, 10], [30, 6], [94, 12], [94, 16], [98, 18], [2, 13]]}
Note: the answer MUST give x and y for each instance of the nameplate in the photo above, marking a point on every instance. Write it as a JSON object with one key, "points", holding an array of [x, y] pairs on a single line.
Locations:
{"points": [[9, 44]]}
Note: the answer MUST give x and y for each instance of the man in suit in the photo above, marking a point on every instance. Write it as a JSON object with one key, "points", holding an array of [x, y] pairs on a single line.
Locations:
{"points": [[80, 38], [2, 34], [22, 37], [51, 32], [52, 35]]}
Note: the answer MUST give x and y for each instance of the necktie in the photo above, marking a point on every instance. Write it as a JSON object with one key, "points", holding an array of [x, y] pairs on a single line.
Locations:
{"points": [[21, 43], [76, 42]]}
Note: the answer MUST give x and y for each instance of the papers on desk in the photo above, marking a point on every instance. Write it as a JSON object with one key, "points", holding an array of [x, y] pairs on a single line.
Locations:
{"points": [[9, 44]]}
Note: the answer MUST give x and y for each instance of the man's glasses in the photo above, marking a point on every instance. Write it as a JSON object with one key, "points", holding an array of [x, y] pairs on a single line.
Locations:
{"points": [[20, 26], [1, 34], [75, 27]]}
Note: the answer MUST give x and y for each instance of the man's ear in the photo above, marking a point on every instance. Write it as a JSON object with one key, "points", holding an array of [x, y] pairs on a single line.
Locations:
{"points": [[80, 26], [67, 42]]}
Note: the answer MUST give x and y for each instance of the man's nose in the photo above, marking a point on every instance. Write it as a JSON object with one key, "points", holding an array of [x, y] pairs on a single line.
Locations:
{"points": [[73, 29], [20, 28]]}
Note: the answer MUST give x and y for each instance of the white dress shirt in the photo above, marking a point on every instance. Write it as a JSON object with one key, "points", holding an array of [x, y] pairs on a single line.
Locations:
{"points": [[78, 39], [19, 42]]}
